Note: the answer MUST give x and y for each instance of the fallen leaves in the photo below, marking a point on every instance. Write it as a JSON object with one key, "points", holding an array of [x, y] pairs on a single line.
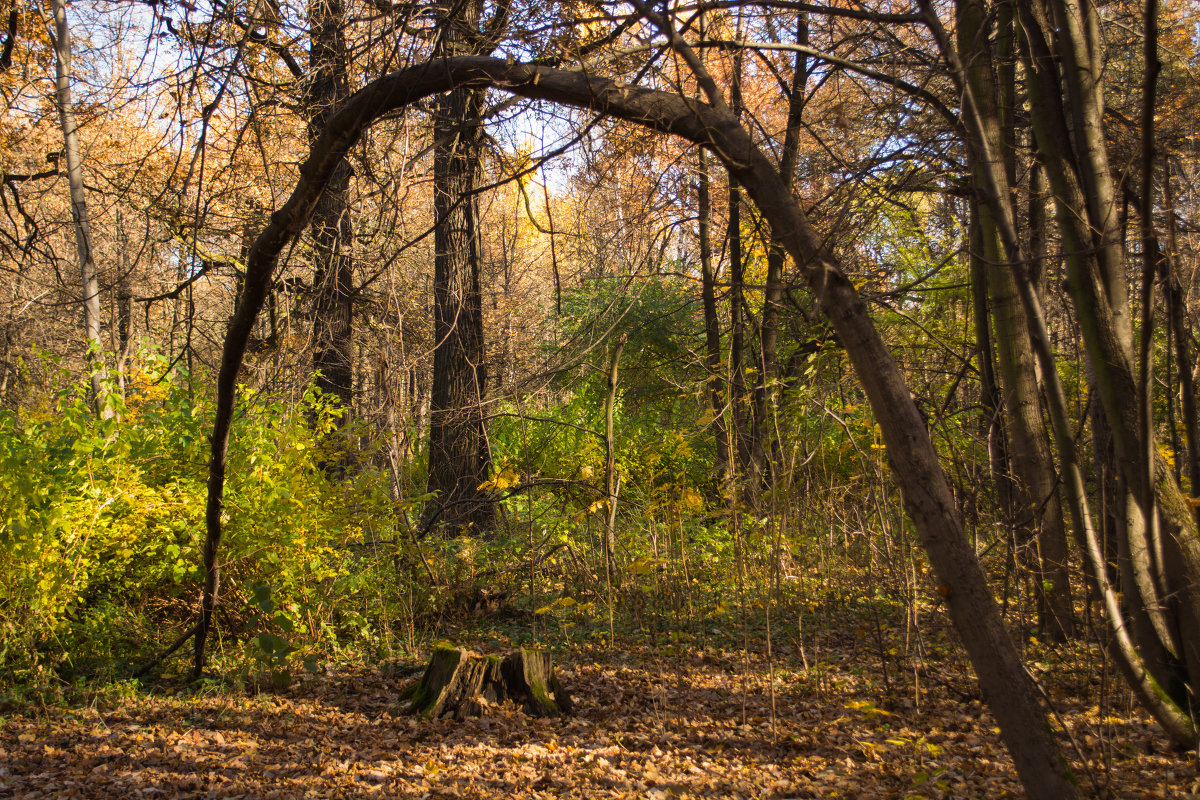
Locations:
{"points": [[652, 727]]}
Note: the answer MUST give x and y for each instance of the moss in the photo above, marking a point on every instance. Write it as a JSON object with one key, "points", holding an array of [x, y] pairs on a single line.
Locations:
{"points": [[418, 697], [542, 697]]}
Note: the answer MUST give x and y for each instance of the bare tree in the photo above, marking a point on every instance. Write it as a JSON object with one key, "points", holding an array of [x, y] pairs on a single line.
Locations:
{"points": [[79, 212]]}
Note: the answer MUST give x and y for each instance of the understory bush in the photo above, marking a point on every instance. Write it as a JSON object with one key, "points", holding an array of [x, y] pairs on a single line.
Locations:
{"points": [[102, 523]]}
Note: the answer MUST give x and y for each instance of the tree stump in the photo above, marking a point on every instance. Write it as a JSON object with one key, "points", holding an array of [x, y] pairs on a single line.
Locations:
{"points": [[458, 683]]}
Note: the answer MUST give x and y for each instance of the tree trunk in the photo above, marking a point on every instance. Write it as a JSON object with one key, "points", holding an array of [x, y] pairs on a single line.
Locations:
{"points": [[612, 481], [712, 322], [98, 374], [990, 402], [1085, 225], [1035, 513], [1176, 307], [459, 456], [1164, 562], [766, 392], [743, 428], [459, 684], [740, 425], [333, 277]]}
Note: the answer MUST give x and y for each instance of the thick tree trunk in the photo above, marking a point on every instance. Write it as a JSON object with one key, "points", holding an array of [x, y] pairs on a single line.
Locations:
{"points": [[459, 456], [98, 374], [927, 496], [333, 278], [459, 684]]}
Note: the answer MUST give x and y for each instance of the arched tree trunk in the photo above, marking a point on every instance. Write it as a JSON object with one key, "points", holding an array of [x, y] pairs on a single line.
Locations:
{"points": [[927, 496]]}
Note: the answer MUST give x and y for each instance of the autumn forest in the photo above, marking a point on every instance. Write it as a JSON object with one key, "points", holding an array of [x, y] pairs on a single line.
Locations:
{"points": [[483, 398]]}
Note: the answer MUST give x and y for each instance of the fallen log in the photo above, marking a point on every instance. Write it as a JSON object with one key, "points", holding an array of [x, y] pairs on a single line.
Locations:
{"points": [[459, 683]]}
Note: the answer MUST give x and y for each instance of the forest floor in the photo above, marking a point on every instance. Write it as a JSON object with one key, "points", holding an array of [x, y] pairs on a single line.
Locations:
{"points": [[653, 720]]}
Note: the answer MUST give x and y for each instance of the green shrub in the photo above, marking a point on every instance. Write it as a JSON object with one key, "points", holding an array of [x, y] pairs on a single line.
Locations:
{"points": [[102, 523]]}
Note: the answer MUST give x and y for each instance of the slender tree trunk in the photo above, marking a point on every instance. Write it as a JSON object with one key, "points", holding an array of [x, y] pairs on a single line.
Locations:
{"points": [[740, 426], [766, 392], [611, 479], [1036, 512], [743, 425], [79, 213], [712, 322], [990, 400], [1165, 561], [1086, 223], [1176, 306]]}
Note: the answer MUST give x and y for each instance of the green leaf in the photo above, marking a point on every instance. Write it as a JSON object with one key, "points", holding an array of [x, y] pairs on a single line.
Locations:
{"points": [[262, 598]]}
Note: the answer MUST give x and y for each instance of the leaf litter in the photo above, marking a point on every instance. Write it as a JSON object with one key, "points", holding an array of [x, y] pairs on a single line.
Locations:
{"points": [[649, 724]]}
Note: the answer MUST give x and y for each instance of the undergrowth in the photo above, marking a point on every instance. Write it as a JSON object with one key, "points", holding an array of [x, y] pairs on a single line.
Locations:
{"points": [[103, 522]]}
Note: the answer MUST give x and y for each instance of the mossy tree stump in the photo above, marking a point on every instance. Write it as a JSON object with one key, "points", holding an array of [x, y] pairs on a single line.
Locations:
{"points": [[457, 683]]}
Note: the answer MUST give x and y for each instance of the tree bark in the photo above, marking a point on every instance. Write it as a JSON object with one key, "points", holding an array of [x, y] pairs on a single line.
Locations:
{"points": [[712, 322], [459, 456], [332, 234], [97, 372]]}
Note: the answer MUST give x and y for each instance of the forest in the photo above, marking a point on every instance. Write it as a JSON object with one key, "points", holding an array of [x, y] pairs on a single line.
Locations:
{"points": [[708, 398]]}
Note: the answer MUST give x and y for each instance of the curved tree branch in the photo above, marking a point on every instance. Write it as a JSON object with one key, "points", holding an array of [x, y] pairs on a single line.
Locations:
{"points": [[927, 496]]}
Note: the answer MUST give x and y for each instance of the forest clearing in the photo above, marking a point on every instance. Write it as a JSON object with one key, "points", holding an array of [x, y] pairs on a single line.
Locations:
{"points": [[714, 398], [657, 722]]}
